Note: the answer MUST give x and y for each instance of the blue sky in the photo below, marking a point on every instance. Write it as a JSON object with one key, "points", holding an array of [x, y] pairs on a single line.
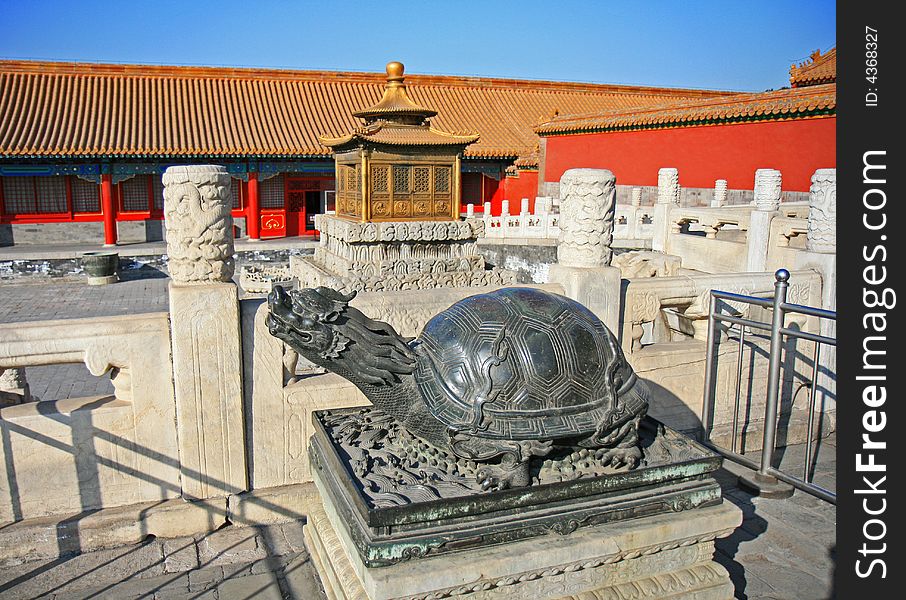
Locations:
{"points": [[726, 44]]}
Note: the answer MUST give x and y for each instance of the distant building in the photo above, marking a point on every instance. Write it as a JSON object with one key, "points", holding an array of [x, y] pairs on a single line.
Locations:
{"points": [[82, 146], [723, 137]]}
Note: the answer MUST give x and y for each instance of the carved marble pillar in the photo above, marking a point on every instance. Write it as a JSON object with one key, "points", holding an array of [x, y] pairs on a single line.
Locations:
{"points": [[636, 196], [199, 224], [767, 202], [668, 196], [720, 193], [822, 257], [768, 184], [470, 210], [587, 206], [204, 325], [822, 214], [584, 253], [524, 206], [505, 208]]}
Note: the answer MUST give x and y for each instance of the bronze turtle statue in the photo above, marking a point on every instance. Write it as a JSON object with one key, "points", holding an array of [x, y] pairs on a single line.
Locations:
{"points": [[496, 378]]}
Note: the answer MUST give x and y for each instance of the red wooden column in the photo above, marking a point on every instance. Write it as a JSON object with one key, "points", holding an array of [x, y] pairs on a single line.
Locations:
{"points": [[252, 209], [109, 209]]}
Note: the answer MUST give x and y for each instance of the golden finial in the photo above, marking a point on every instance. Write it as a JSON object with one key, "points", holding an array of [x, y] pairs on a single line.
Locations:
{"points": [[395, 71]]}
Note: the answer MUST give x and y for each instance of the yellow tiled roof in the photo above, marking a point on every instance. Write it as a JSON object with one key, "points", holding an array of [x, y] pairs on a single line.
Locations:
{"points": [[797, 103], [818, 69], [81, 110]]}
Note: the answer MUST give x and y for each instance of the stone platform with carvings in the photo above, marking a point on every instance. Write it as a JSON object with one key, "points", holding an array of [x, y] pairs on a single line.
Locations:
{"points": [[397, 255], [399, 519]]}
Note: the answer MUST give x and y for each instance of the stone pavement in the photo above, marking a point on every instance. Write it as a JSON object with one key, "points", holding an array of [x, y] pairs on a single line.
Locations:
{"points": [[785, 549], [74, 299], [233, 563]]}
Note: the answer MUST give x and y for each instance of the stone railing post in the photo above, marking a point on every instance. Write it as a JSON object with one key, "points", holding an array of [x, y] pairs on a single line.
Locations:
{"points": [[636, 196], [505, 208], [524, 206], [720, 194], [767, 203], [584, 253], [668, 196], [204, 326], [822, 213], [543, 205], [632, 216], [821, 244], [470, 210]]}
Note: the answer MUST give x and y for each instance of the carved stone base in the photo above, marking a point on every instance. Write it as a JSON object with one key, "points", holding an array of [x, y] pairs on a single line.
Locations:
{"points": [[313, 273], [391, 256], [667, 556]]}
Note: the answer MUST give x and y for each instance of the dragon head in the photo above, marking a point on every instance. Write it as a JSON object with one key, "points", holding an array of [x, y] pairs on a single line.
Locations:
{"points": [[319, 324], [306, 320]]}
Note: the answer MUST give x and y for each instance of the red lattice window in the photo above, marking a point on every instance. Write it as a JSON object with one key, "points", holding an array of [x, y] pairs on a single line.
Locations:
{"points": [[51, 194], [35, 195], [236, 193], [135, 194], [157, 191], [271, 192], [19, 195], [86, 196]]}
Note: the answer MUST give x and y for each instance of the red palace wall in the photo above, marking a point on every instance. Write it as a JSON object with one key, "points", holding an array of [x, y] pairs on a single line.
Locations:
{"points": [[514, 189], [702, 154]]}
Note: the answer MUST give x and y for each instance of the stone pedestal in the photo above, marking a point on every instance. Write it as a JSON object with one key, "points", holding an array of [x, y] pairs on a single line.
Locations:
{"points": [[396, 255], [207, 373], [204, 324], [13, 387], [666, 556], [387, 529], [597, 288]]}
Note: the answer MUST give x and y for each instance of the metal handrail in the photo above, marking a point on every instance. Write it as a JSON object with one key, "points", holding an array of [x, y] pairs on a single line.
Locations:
{"points": [[781, 307]]}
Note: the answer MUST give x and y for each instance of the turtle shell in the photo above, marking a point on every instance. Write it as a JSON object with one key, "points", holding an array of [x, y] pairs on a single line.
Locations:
{"points": [[521, 363]]}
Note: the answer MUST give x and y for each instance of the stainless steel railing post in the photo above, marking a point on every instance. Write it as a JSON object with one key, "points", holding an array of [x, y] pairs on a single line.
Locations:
{"points": [[781, 286], [708, 399]]}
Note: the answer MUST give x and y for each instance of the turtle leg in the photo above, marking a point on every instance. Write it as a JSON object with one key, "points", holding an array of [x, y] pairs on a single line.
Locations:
{"points": [[513, 470], [620, 447], [510, 473]]}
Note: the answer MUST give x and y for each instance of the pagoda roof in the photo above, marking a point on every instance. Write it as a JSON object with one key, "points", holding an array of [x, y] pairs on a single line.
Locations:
{"points": [[400, 135], [395, 102], [817, 70], [92, 111], [796, 103]]}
